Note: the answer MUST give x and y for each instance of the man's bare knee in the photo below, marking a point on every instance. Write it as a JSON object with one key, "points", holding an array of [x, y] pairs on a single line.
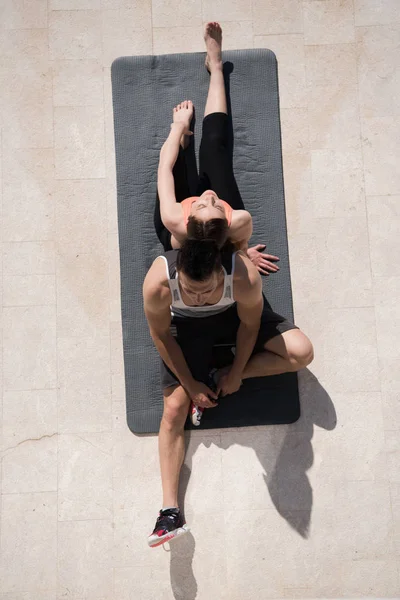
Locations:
{"points": [[176, 405], [301, 353]]}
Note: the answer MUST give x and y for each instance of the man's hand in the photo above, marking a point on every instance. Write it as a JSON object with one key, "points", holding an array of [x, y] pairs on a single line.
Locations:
{"points": [[200, 394], [229, 383], [262, 261]]}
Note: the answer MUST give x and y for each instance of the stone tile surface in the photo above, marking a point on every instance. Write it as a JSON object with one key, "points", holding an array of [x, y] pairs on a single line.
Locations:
{"points": [[84, 384], [84, 559], [376, 12], [28, 415], [75, 34], [29, 258], [277, 16], [77, 82], [30, 467], [85, 492], [350, 344], [79, 146], [334, 117], [289, 51], [331, 64], [80, 215], [318, 500], [328, 22], [381, 145], [29, 290], [29, 351], [28, 189], [378, 75], [171, 40], [82, 287], [33, 518], [175, 13], [344, 270], [126, 31], [16, 14], [384, 228]]}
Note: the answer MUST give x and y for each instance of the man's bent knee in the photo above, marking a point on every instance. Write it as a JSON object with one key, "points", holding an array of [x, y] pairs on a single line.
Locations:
{"points": [[301, 353], [176, 405]]}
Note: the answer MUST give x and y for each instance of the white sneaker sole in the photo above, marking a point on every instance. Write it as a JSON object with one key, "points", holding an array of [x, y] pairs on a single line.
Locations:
{"points": [[196, 414], [155, 540]]}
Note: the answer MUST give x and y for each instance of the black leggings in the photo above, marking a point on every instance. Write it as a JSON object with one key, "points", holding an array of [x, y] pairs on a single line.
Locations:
{"points": [[215, 172]]}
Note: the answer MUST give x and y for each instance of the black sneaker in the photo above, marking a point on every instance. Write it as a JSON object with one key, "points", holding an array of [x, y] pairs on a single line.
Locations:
{"points": [[169, 525]]}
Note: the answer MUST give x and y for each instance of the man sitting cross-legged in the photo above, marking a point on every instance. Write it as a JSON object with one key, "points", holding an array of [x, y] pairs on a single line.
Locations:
{"points": [[203, 294]]}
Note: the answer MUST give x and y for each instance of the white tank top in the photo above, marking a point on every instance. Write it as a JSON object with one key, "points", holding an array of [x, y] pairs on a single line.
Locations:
{"points": [[179, 308]]}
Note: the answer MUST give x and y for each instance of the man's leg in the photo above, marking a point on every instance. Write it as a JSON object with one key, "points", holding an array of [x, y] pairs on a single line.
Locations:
{"points": [[289, 351], [171, 442]]}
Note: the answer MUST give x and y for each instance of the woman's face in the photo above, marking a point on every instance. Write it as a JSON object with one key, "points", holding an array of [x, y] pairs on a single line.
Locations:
{"points": [[199, 292], [208, 206]]}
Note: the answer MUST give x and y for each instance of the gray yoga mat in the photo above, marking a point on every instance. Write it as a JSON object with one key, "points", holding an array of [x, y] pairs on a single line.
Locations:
{"points": [[145, 89]]}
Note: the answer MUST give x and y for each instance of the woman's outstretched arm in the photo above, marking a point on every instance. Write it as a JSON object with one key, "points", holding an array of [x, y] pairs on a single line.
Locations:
{"points": [[171, 211]]}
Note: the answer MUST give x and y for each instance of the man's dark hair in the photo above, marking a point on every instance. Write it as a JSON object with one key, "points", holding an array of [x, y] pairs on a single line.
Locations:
{"points": [[198, 259]]}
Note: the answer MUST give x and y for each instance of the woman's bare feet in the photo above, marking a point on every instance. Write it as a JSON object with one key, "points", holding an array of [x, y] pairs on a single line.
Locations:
{"points": [[213, 40], [183, 113]]}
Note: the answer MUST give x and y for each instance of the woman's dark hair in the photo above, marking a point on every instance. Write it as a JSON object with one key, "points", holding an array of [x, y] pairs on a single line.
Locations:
{"points": [[200, 254], [213, 229]]}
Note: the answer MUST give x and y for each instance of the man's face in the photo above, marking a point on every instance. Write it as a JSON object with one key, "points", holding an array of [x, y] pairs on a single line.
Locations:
{"points": [[208, 206], [199, 292]]}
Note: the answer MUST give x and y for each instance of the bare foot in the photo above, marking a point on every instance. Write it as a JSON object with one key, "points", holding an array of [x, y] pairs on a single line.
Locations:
{"points": [[213, 40], [183, 113]]}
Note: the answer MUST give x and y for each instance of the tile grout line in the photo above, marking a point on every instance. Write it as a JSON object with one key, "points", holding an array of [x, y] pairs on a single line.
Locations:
{"points": [[2, 341], [56, 304], [107, 234], [366, 214], [370, 261], [151, 26]]}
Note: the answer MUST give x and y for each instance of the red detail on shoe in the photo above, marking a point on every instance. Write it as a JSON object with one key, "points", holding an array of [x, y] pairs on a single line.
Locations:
{"points": [[166, 539], [161, 532]]}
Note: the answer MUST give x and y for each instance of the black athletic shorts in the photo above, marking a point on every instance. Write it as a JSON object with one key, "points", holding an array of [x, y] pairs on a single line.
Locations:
{"points": [[198, 336]]}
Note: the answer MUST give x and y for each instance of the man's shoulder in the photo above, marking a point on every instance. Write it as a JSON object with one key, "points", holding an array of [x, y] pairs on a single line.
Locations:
{"points": [[155, 286]]}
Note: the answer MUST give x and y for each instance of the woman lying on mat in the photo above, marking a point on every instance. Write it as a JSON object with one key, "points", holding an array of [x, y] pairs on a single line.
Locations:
{"points": [[206, 216]]}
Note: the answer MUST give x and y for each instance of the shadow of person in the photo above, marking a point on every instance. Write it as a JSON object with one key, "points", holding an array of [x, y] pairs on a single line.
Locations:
{"points": [[183, 582], [285, 453], [286, 475]]}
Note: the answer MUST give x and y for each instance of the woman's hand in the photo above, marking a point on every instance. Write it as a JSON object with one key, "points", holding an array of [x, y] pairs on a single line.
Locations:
{"points": [[262, 261]]}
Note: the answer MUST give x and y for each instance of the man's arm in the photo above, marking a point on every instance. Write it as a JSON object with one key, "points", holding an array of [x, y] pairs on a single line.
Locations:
{"points": [[249, 301], [157, 299]]}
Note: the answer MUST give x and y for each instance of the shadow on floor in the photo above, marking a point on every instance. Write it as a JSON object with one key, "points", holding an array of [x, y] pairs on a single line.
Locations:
{"points": [[285, 458]]}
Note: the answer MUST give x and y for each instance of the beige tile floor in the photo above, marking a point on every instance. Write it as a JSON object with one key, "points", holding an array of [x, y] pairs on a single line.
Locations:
{"points": [[310, 510]]}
